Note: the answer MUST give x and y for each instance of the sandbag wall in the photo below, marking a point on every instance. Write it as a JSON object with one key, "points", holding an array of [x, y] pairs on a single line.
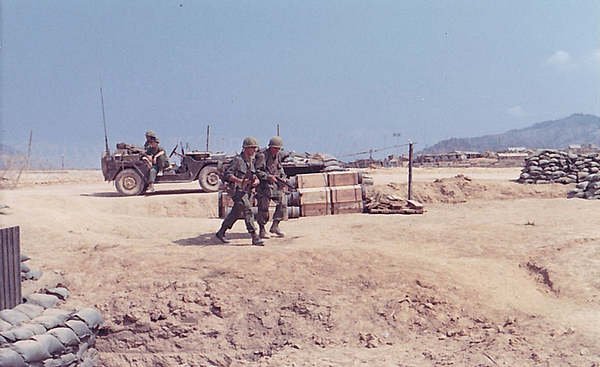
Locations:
{"points": [[35, 333], [553, 166], [330, 193]]}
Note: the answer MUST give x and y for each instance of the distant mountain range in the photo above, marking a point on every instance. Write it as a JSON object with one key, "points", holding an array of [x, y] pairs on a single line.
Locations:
{"points": [[557, 134]]}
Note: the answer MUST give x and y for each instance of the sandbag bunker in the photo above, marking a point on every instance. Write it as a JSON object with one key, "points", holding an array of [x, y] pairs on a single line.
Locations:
{"points": [[553, 166], [37, 333]]}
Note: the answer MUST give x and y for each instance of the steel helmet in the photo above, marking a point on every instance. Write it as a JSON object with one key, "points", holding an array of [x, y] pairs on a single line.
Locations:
{"points": [[276, 142], [250, 142], [151, 134]]}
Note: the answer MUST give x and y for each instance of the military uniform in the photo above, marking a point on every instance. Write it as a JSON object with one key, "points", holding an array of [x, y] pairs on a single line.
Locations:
{"points": [[268, 166], [242, 168], [161, 162]]}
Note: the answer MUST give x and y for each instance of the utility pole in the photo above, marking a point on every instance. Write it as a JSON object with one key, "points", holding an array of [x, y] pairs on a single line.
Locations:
{"points": [[207, 136], [277, 129], [410, 159]]}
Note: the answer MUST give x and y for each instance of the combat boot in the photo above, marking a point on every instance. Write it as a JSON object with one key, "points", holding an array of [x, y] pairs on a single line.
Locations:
{"points": [[275, 229], [221, 236], [262, 232], [256, 240]]}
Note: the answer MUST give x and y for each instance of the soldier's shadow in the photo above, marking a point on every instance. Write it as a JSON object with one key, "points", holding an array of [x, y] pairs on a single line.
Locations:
{"points": [[209, 239]]}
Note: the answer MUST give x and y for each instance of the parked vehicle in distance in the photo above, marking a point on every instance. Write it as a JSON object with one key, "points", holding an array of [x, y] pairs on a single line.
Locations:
{"points": [[127, 168]]}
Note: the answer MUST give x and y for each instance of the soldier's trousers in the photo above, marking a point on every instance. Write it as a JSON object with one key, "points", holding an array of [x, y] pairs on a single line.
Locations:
{"points": [[241, 206], [263, 201]]}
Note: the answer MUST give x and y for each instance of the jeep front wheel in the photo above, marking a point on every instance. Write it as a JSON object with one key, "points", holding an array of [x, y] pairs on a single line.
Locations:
{"points": [[209, 179], [128, 182]]}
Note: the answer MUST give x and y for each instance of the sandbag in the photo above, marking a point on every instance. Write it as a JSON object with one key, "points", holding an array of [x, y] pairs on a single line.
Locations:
{"points": [[67, 359], [35, 328], [13, 317], [51, 343], [33, 275], [62, 315], [24, 257], [4, 325], [90, 316], [79, 327], [29, 309], [49, 322], [2, 341], [10, 358], [8, 336], [44, 300], [25, 268], [31, 350], [54, 363], [21, 333], [65, 335], [60, 292]]}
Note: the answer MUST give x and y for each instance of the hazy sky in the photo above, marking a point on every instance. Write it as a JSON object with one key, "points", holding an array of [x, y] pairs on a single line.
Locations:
{"points": [[337, 76]]}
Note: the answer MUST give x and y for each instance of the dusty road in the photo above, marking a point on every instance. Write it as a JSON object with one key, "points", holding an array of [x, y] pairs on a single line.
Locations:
{"points": [[493, 274]]}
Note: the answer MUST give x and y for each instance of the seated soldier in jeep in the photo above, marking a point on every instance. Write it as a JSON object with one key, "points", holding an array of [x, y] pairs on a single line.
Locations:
{"points": [[158, 159]]}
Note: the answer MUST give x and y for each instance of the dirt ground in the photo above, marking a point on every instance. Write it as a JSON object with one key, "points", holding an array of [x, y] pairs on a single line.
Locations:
{"points": [[493, 274]]}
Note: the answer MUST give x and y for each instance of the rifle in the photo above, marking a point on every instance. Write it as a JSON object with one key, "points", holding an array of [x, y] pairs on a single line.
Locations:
{"points": [[280, 181]]}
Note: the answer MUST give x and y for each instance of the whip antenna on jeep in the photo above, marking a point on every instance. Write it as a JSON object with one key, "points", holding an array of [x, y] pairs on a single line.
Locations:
{"points": [[103, 116]]}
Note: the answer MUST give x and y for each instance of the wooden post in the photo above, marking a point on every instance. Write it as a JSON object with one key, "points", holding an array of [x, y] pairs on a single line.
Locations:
{"points": [[410, 159], [207, 136], [277, 129], [10, 268]]}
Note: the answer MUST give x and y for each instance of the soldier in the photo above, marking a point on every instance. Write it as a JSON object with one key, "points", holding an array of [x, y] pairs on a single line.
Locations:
{"points": [[268, 170], [240, 173], [149, 135], [158, 161]]}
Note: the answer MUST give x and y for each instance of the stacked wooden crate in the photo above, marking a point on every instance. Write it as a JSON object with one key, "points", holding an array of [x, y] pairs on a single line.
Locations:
{"points": [[330, 193], [317, 194]]}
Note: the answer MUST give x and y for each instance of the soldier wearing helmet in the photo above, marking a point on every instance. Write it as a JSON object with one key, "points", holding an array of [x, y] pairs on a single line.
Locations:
{"points": [[149, 135], [268, 170], [240, 173]]}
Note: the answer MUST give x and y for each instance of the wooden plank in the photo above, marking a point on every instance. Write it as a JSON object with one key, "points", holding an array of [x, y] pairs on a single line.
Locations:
{"points": [[10, 267], [311, 180], [347, 178]]}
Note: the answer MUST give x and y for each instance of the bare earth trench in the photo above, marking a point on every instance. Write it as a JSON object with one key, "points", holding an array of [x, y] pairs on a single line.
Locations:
{"points": [[493, 274]]}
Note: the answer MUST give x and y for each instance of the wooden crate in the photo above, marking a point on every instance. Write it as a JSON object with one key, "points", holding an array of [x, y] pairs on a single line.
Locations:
{"points": [[316, 209], [347, 208], [347, 178], [311, 180], [347, 194], [317, 195]]}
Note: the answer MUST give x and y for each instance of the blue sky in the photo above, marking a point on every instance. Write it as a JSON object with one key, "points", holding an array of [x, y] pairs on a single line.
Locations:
{"points": [[337, 76]]}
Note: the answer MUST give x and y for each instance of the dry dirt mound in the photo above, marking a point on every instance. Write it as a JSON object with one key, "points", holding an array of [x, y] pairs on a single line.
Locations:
{"points": [[360, 305], [461, 188]]}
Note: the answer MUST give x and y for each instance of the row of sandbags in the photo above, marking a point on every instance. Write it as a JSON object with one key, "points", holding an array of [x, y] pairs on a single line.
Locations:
{"points": [[587, 188], [36, 333], [554, 166], [26, 272]]}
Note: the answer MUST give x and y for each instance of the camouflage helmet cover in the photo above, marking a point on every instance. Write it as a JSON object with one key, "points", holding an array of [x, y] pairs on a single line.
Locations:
{"points": [[151, 134], [250, 142], [276, 142]]}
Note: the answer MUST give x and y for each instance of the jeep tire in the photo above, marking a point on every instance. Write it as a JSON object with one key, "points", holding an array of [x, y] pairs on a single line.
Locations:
{"points": [[209, 178], [129, 182]]}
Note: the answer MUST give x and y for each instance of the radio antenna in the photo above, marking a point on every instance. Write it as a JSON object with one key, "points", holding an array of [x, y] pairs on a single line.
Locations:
{"points": [[103, 115]]}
